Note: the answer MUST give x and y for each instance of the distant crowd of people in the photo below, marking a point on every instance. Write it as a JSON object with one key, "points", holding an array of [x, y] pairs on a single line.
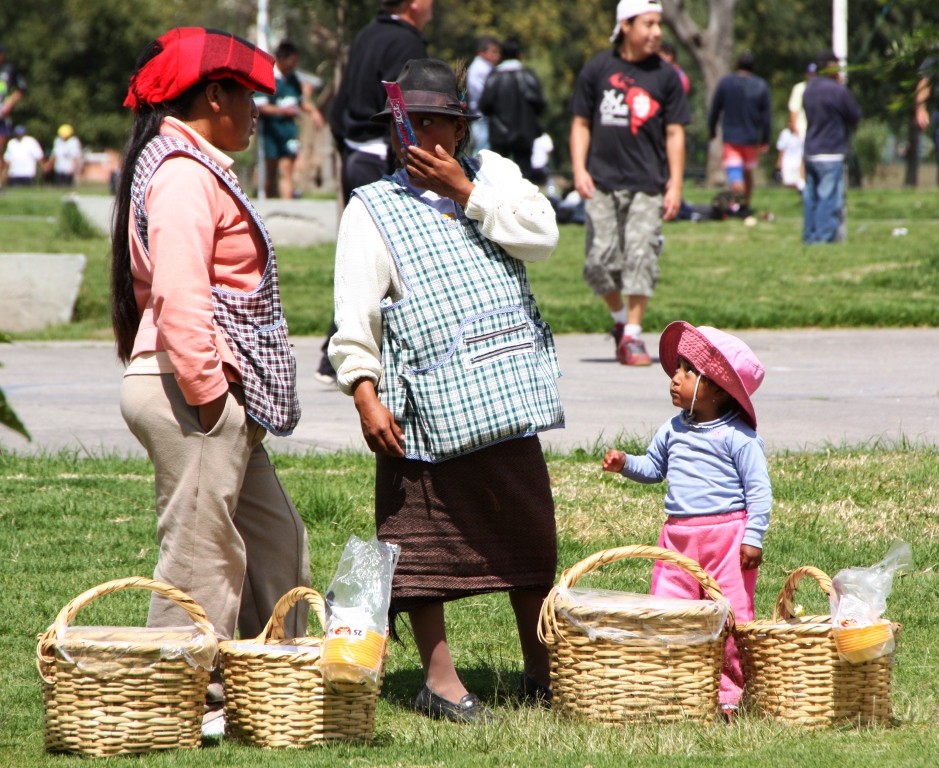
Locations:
{"points": [[812, 148], [26, 163], [23, 162]]}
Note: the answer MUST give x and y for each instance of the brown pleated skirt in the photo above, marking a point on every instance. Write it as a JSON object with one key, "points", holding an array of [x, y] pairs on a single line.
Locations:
{"points": [[483, 522]]}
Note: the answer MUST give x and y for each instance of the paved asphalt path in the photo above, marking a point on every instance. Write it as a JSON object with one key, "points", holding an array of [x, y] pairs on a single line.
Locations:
{"points": [[822, 388]]}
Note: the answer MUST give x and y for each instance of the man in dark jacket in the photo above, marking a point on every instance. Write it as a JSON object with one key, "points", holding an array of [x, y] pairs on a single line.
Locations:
{"points": [[832, 113], [744, 101], [512, 99], [377, 53]]}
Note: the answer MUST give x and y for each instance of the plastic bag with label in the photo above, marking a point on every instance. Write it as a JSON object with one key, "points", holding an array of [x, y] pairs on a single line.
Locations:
{"points": [[858, 601], [357, 603]]}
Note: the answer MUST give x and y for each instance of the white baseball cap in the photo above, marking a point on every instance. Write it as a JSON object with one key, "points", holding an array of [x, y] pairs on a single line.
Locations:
{"points": [[626, 9]]}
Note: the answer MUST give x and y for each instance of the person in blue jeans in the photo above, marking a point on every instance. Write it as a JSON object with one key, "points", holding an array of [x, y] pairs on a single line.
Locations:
{"points": [[832, 113]]}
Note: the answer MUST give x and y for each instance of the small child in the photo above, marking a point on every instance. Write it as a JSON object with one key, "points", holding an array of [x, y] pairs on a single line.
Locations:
{"points": [[719, 496], [789, 160]]}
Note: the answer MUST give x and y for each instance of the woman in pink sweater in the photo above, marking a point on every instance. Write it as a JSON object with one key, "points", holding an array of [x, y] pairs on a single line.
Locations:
{"points": [[197, 317]]}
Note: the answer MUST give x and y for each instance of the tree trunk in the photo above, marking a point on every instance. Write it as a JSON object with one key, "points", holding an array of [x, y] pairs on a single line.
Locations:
{"points": [[712, 49], [911, 179]]}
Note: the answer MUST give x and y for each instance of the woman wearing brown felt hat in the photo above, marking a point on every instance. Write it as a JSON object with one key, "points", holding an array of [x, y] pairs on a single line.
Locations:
{"points": [[452, 370]]}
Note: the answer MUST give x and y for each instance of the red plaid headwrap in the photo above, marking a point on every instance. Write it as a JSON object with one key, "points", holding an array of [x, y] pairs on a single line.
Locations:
{"points": [[190, 55]]}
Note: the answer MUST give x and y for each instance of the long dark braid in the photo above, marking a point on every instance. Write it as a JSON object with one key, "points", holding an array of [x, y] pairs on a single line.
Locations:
{"points": [[124, 315]]}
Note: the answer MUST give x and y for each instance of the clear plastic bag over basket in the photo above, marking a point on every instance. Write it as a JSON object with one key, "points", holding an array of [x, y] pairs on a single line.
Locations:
{"points": [[858, 601], [596, 612], [106, 651], [357, 605]]}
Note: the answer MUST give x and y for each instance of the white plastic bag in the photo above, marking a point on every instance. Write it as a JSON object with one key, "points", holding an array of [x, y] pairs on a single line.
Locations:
{"points": [[858, 601], [357, 613]]}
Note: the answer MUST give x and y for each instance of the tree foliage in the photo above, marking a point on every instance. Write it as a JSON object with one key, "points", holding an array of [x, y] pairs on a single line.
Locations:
{"points": [[77, 55]]}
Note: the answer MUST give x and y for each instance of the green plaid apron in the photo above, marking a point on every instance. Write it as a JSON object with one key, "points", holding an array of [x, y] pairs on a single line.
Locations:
{"points": [[467, 359]]}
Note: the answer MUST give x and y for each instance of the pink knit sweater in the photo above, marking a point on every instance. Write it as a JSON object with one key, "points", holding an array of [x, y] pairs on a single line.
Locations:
{"points": [[199, 237]]}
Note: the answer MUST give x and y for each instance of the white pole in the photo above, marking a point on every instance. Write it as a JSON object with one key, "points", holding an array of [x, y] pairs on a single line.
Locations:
{"points": [[839, 45], [839, 31], [264, 34]]}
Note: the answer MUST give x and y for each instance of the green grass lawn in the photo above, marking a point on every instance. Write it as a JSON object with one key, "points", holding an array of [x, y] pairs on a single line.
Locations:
{"points": [[715, 273], [68, 523]]}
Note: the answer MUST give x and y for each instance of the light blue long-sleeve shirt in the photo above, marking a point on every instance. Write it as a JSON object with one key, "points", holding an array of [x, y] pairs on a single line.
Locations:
{"points": [[711, 468]]}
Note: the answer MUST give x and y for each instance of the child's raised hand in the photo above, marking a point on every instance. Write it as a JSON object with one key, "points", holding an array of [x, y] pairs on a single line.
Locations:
{"points": [[614, 461], [750, 557]]}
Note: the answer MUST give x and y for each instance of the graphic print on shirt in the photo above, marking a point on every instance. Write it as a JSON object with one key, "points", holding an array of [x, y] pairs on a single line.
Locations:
{"points": [[626, 104]]}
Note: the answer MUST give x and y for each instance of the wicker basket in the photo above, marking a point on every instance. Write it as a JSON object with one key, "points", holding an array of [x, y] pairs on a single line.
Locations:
{"points": [[793, 671], [123, 690], [274, 690], [635, 678]]}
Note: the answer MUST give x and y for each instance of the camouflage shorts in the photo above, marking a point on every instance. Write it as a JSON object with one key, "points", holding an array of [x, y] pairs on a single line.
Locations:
{"points": [[624, 240]]}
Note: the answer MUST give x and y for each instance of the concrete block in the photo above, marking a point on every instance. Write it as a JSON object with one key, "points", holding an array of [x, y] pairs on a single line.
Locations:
{"points": [[38, 289], [302, 223]]}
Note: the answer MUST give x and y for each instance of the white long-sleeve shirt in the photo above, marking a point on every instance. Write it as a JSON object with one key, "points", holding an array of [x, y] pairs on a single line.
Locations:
{"points": [[510, 211]]}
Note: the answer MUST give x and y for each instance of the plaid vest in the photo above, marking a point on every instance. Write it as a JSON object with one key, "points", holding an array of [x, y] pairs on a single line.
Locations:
{"points": [[467, 360], [252, 323]]}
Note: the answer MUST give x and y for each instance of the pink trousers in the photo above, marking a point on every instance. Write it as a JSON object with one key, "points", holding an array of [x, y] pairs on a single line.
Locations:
{"points": [[714, 542]]}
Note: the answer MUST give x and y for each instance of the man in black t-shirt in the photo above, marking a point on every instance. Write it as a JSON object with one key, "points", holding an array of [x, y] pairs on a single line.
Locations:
{"points": [[628, 153]]}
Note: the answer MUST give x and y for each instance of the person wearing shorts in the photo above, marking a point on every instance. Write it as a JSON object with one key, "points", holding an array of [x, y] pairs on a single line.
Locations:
{"points": [[627, 147], [279, 112], [738, 161], [742, 105]]}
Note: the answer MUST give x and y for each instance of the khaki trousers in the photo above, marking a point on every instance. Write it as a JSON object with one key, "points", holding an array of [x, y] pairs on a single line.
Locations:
{"points": [[229, 535], [624, 241]]}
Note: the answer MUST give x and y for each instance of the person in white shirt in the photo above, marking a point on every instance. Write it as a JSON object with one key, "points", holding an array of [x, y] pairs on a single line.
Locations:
{"points": [[541, 150], [789, 161], [488, 53], [22, 157], [66, 157]]}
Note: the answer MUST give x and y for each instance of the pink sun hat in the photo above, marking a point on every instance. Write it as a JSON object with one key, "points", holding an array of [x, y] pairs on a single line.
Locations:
{"points": [[720, 357]]}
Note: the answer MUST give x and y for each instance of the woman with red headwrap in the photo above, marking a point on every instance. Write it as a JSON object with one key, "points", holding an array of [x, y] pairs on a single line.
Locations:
{"points": [[197, 317]]}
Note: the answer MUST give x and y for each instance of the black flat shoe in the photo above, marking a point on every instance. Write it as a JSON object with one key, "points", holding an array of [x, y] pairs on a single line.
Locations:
{"points": [[533, 693], [469, 709]]}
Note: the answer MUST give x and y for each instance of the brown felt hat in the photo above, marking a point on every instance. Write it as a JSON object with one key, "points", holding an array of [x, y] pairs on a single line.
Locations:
{"points": [[428, 85]]}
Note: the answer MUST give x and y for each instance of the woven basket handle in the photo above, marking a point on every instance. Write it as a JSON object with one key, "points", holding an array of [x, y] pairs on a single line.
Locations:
{"points": [[275, 626], [572, 575], [45, 651], [785, 607]]}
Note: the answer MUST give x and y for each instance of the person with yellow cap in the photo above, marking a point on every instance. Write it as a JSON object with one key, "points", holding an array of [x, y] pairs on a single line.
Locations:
{"points": [[66, 158]]}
